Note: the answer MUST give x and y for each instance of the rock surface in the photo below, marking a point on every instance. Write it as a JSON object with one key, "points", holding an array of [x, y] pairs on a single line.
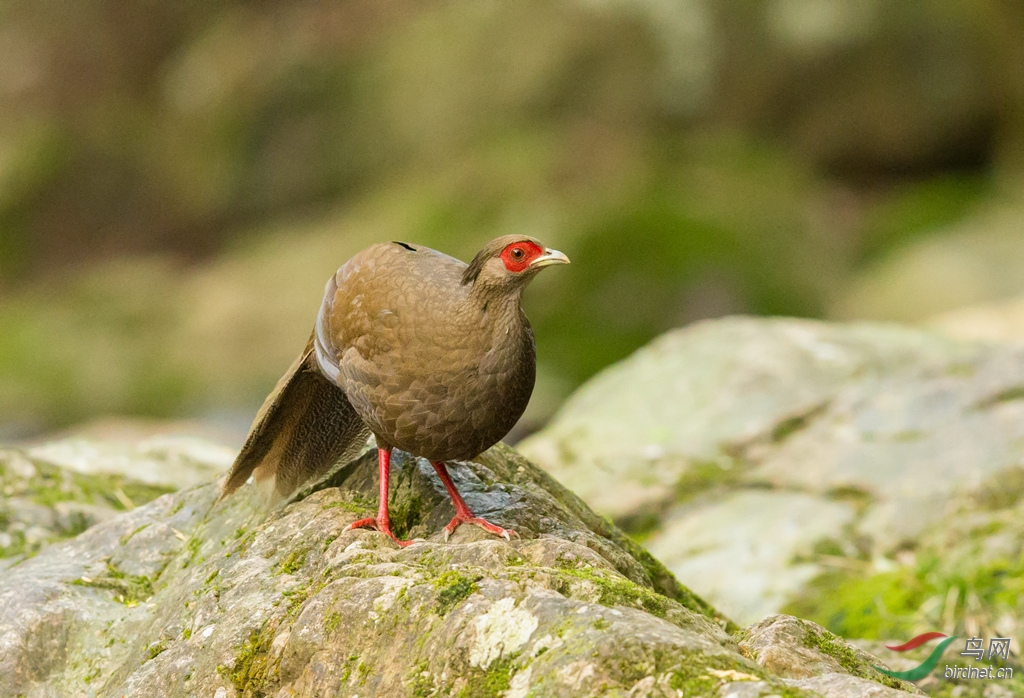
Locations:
{"points": [[188, 596], [41, 502], [800, 447], [975, 261], [161, 460], [995, 322], [772, 526], [812, 657]]}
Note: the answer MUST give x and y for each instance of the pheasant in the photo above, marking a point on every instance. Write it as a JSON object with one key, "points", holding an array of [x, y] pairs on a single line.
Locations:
{"points": [[431, 355]]}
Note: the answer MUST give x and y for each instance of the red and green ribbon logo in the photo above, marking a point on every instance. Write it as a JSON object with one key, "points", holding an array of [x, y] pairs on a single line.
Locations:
{"points": [[924, 668]]}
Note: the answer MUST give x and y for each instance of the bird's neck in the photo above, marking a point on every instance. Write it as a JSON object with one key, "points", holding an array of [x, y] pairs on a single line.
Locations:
{"points": [[498, 306]]}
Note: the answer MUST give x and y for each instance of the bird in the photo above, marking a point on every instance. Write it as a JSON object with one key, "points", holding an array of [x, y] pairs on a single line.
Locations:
{"points": [[431, 355]]}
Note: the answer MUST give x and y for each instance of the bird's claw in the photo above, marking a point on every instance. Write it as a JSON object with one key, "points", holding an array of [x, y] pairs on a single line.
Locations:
{"points": [[493, 529], [361, 523], [385, 529]]}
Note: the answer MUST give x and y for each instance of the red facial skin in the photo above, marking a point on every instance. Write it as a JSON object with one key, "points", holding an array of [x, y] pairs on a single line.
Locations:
{"points": [[518, 255]]}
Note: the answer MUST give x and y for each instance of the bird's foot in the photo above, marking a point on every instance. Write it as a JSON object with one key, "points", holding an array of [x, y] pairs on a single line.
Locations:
{"points": [[468, 518], [383, 527]]}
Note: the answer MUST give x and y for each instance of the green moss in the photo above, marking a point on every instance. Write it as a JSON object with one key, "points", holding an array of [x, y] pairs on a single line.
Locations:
{"points": [[692, 680], [128, 536], [889, 604], [251, 673], [332, 622], [407, 511], [298, 594], [701, 476], [128, 589], [663, 581], [452, 588], [350, 663], [859, 498], [186, 633], [491, 682], [1002, 491], [829, 546], [242, 546], [787, 427], [828, 643], [694, 675], [192, 550], [49, 485], [1008, 395], [433, 559], [872, 607], [359, 507], [641, 525], [18, 544], [294, 562], [421, 683], [93, 675], [619, 591], [53, 485], [155, 649]]}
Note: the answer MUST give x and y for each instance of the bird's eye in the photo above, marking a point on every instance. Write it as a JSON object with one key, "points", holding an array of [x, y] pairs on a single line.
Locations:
{"points": [[517, 253]]}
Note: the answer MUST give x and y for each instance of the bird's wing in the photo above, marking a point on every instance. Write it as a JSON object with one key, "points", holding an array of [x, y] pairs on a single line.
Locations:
{"points": [[304, 427]]}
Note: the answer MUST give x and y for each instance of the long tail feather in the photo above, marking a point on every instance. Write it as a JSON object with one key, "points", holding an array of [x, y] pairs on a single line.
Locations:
{"points": [[304, 427]]}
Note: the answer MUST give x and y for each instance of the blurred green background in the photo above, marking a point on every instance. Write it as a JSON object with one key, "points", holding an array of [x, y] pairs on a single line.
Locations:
{"points": [[178, 180]]}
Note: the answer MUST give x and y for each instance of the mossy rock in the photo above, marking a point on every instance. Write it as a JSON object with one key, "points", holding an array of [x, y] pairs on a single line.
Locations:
{"points": [[41, 503], [202, 597]]}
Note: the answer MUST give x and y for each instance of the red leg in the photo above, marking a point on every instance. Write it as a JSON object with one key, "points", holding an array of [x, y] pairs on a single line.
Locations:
{"points": [[382, 522], [462, 512]]}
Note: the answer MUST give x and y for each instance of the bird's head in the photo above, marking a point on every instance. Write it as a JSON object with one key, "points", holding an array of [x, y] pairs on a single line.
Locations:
{"points": [[510, 261]]}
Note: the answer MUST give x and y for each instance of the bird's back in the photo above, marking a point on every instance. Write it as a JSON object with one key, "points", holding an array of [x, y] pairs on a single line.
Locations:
{"points": [[426, 369]]}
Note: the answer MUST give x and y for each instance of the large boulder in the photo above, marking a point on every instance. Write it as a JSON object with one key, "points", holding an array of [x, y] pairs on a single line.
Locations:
{"points": [[976, 261], [996, 322], [758, 455], [191, 596]]}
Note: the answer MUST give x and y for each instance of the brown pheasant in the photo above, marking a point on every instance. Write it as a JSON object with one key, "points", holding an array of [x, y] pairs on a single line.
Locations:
{"points": [[432, 356]]}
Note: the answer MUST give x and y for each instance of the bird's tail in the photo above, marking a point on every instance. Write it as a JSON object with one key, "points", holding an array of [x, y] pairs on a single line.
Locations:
{"points": [[304, 427]]}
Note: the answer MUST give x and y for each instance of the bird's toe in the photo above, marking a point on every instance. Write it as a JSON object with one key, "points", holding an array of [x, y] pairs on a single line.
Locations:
{"points": [[362, 523], [477, 521]]}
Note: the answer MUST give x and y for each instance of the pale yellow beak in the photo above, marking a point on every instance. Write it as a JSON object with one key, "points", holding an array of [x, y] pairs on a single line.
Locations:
{"points": [[548, 258]]}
